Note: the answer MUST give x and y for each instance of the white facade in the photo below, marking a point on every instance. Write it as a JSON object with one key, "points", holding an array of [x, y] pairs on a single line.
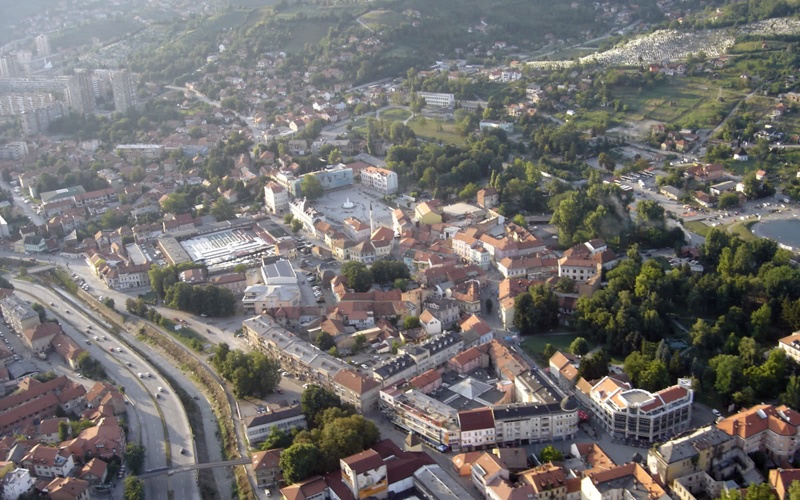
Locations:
{"points": [[438, 99], [17, 483], [276, 198], [379, 179]]}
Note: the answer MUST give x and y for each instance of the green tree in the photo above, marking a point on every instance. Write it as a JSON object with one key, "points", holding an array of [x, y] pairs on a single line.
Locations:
{"points": [[222, 210], [595, 366], [315, 400], [324, 341], [655, 377], [794, 488], [134, 457], [63, 431], [606, 161], [297, 225], [299, 462], [134, 488], [287, 219], [728, 200], [400, 284], [579, 346], [358, 276], [728, 373], [548, 351], [277, 438], [411, 322], [343, 437], [791, 396], [550, 454], [311, 187]]}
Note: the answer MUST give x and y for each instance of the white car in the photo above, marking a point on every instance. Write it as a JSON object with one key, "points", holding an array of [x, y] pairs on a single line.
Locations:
{"points": [[716, 413]]}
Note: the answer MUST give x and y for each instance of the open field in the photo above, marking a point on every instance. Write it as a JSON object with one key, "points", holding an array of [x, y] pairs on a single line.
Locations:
{"points": [[697, 227], [681, 101], [395, 114], [742, 229], [307, 32], [444, 131]]}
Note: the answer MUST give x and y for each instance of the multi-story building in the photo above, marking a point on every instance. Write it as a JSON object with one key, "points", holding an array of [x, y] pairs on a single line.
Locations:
{"points": [[434, 352], [42, 45], [478, 429], [520, 423], [266, 466], [259, 426], [379, 179], [365, 475], [631, 413], [773, 430], [700, 450], [124, 90], [305, 213], [17, 483], [80, 96], [276, 198], [19, 315], [357, 390], [44, 461], [394, 370], [357, 231], [438, 99], [433, 421]]}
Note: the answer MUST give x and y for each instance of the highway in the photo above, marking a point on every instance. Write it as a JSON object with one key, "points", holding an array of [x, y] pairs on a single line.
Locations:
{"points": [[146, 420]]}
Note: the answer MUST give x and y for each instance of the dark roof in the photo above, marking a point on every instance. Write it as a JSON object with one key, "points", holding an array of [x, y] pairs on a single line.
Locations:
{"points": [[275, 416], [479, 418], [364, 461]]}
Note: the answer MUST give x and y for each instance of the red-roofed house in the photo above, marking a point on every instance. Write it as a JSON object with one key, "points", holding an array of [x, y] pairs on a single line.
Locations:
{"points": [[38, 338], [68, 488], [94, 471], [365, 475], [266, 465]]}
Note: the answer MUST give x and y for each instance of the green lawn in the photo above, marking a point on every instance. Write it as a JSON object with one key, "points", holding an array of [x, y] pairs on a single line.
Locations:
{"points": [[534, 345], [436, 129], [697, 227], [308, 32], [376, 19], [395, 114], [742, 229], [680, 100]]}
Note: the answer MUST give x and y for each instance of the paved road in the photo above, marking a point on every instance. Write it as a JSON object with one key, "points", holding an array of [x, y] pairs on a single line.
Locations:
{"points": [[147, 422]]}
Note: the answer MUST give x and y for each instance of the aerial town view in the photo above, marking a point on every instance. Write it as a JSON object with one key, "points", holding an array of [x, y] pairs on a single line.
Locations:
{"points": [[398, 249]]}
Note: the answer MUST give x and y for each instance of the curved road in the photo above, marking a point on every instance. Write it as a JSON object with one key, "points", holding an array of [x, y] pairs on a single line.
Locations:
{"points": [[140, 391]]}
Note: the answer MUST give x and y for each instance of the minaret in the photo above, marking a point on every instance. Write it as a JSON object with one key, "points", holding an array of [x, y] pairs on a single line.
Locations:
{"points": [[371, 222]]}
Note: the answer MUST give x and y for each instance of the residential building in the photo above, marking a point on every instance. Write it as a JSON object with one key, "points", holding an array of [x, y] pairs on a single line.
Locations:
{"points": [[427, 213], [631, 413], [305, 213], [781, 479], [365, 475], [486, 469], [258, 427], [124, 90], [671, 192], [44, 461], [356, 389], [68, 488], [38, 400], [94, 471], [357, 231], [266, 466], [547, 480], [17, 483], [477, 429], [624, 481], [791, 346], [35, 244], [431, 324], [38, 337], [577, 268], [399, 368], [702, 450], [276, 198], [435, 351], [564, 369], [772, 430], [19, 315], [235, 282], [488, 198], [433, 421], [313, 488], [520, 423], [379, 179]]}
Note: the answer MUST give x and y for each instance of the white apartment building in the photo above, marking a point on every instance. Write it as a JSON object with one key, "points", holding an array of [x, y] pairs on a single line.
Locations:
{"points": [[438, 99], [259, 426], [380, 179], [276, 198], [17, 483]]}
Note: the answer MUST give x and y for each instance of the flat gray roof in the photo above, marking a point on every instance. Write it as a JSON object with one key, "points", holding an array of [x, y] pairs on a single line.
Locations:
{"points": [[279, 269]]}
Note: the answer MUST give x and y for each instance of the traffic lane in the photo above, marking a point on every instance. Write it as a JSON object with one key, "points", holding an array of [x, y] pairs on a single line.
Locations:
{"points": [[74, 324], [178, 429]]}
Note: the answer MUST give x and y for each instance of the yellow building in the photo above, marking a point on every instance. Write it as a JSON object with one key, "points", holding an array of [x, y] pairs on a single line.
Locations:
{"points": [[427, 213]]}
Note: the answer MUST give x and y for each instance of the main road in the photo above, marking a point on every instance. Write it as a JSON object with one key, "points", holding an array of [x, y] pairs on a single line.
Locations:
{"points": [[123, 367]]}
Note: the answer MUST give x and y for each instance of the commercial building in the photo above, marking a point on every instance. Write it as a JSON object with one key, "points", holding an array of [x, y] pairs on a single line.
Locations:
{"points": [[637, 414], [379, 179], [365, 475], [701, 450], [259, 426], [305, 213], [331, 177], [433, 483]]}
